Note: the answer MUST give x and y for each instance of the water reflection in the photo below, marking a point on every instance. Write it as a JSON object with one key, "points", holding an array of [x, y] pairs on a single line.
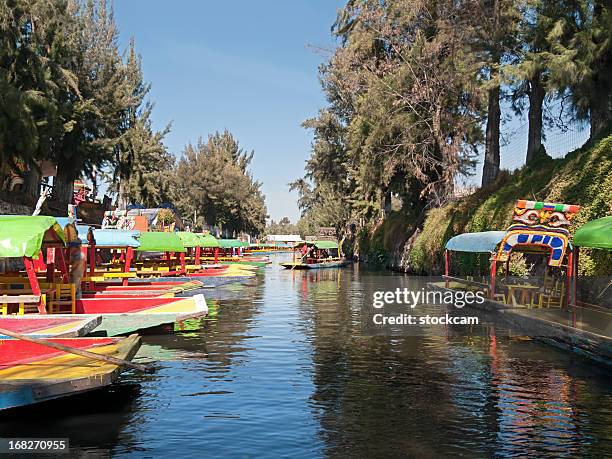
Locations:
{"points": [[444, 394], [282, 368]]}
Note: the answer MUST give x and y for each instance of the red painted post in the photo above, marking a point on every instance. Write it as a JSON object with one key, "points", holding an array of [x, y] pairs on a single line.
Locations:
{"points": [[568, 278], [39, 264], [129, 253], [446, 267], [29, 266], [216, 255], [198, 253], [182, 258], [575, 273]]}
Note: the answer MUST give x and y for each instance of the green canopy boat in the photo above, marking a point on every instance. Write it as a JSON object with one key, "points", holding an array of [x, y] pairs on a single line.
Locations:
{"points": [[230, 243], [157, 241], [596, 234], [23, 236], [314, 256], [208, 240]]}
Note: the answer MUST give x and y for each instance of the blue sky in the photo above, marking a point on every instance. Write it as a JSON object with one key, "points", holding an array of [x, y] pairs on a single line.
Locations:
{"points": [[248, 66]]}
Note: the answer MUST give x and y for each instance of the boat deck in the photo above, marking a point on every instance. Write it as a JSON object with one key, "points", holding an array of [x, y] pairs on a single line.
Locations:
{"points": [[31, 373], [57, 325]]}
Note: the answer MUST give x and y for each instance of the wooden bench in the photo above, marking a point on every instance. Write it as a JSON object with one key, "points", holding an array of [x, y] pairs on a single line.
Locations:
{"points": [[119, 275], [21, 300]]}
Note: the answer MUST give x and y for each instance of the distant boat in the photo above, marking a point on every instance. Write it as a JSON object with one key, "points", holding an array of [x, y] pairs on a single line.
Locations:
{"points": [[318, 265], [316, 255]]}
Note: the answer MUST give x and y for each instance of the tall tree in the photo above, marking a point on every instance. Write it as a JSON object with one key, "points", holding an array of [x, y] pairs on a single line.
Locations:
{"points": [[404, 106], [91, 110], [213, 181], [34, 56], [141, 162], [500, 20], [582, 62]]}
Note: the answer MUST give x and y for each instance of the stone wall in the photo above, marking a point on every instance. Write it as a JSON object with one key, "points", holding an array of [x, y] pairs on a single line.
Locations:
{"points": [[7, 208]]}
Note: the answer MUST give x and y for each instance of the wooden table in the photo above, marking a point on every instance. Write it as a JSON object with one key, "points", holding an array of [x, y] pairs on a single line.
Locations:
{"points": [[526, 293]]}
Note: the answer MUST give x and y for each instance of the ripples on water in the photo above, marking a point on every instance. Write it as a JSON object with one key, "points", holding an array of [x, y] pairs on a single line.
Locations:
{"points": [[281, 368]]}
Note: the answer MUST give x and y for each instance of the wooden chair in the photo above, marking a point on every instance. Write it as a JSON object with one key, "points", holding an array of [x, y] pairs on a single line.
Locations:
{"points": [[551, 294], [500, 296], [63, 299]]}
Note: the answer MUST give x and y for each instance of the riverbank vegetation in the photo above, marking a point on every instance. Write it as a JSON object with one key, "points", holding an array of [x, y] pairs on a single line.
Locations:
{"points": [[415, 92], [583, 177], [74, 101]]}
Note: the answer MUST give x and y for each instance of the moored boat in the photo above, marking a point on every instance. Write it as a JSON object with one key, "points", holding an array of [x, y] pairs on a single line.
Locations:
{"points": [[58, 326], [26, 237], [32, 373], [316, 255]]}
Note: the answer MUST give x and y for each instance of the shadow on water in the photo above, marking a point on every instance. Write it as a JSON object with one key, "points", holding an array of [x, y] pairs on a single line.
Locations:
{"points": [[92, 421]]}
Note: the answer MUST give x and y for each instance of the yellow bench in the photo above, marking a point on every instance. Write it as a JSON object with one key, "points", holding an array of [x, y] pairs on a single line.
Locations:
{"points": [[118, 275], [20, 300]]}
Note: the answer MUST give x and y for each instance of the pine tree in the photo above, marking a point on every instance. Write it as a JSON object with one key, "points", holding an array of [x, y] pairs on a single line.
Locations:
{"points": [[212, 180], [500, 20]]}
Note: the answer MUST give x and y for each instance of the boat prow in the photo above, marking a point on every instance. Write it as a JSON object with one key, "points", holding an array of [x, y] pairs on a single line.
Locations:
{"points": [[121, 316], [56, 325]]}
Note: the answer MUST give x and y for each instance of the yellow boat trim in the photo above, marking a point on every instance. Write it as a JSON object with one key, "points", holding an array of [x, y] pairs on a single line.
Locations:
{"points": [[187, 305], [61, 329], [70, 366]]}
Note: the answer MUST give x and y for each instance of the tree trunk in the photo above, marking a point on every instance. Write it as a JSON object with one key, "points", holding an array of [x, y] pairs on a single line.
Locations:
{"points": [[122, 198], [387, 204], [491, 159], [600, 118], [536, 101], [63, 186], [32, 183]]}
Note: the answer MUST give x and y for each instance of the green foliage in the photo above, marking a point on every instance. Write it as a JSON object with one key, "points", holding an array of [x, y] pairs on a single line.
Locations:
{"points": [[284, 226], [165, 217], [69, 96], [212, 181], [403, 115], [583, 177]]}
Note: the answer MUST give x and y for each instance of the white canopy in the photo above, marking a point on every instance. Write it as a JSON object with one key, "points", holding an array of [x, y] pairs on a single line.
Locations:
{"points": [[283, 238]]}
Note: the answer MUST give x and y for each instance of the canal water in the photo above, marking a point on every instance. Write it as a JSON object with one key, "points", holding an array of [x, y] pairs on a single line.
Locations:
{"points": [[282, 368]]}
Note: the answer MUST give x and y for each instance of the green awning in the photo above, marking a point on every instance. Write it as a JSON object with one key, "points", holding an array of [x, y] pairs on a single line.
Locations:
{"points": [[230, 243], [189, 239], [325, 244], [208, 240], [197, 239], [157, 241], [596, 234], [318, 244], [23, 236]]}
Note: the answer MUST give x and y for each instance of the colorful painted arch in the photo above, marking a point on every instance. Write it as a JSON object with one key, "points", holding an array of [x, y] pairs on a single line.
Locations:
{"points": [[557, 243]]}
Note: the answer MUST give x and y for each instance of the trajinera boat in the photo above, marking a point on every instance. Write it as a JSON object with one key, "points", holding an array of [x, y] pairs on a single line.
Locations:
{"points": [[37, 291], [32, 373], [316, 255]]}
